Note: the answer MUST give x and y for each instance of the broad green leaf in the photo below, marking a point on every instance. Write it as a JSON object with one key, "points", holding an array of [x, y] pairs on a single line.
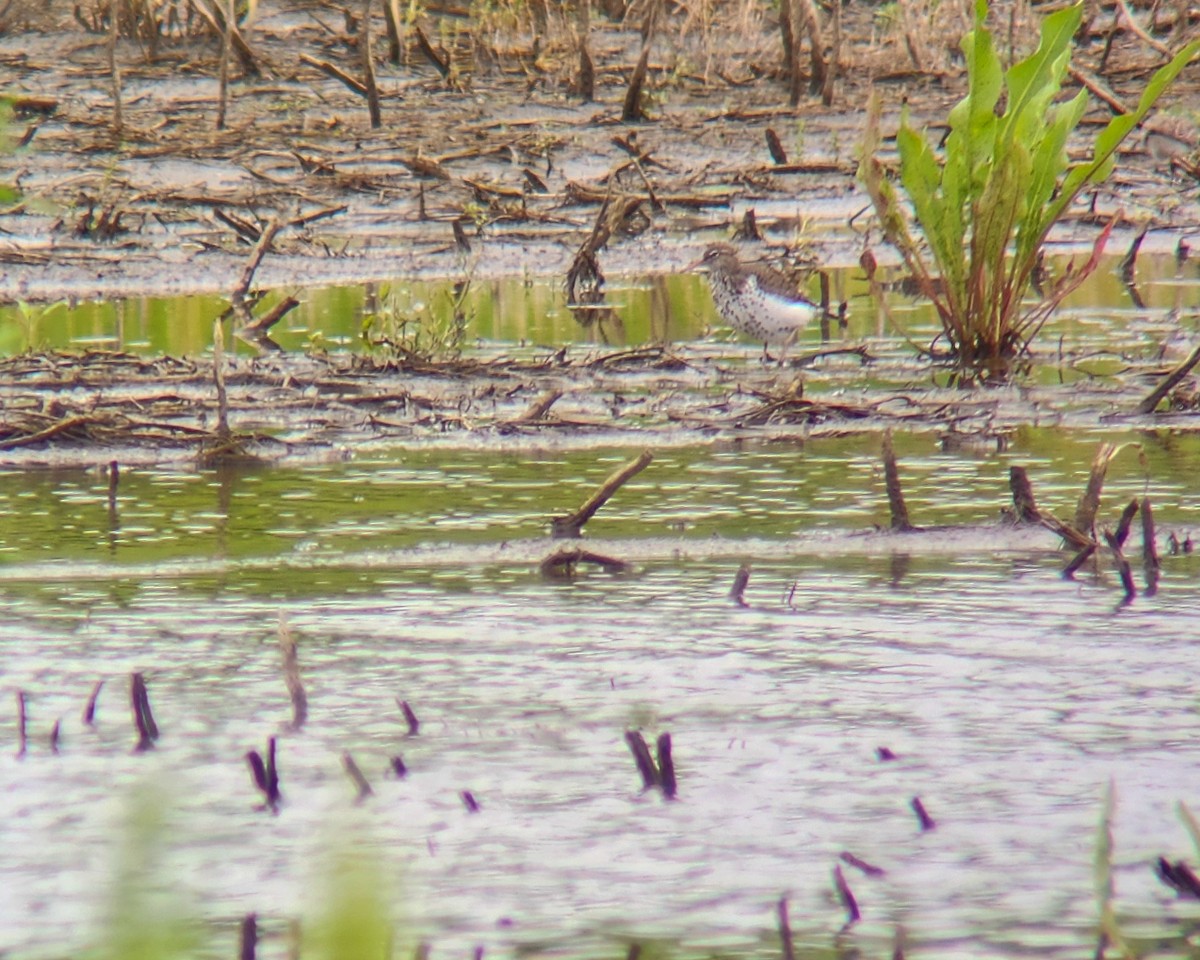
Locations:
{"points": [[973, 121], [1111, 137], [943, 227], [1034, 80], [1048, 163]]}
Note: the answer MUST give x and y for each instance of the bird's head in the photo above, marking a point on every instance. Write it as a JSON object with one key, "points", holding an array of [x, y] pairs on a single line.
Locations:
{"points": [[717, 257]]}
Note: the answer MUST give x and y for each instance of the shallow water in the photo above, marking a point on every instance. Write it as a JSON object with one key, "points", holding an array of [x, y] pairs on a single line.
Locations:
{"points": [[1010, 695], [1099, 323]]}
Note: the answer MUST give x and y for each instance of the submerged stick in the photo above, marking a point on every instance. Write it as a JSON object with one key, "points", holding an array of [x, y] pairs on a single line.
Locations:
{"points": [[249, 937], [258, 328], [1155, 397], [540, 407], [360, 781], [22, 723], [55, 732], [414, 725], [846, 896], [1179, 877], [143, 717], [1126, 521], [926, 821], [223, 434], [1024, 505], [1079, 560], [666, 765], [1122, 565], [740, 581], [266, 775], [1149, 538], [641, 756], [469, 801], [89, 709], [561, 564], [291, 675], [252, 262], [867, 868], [571, 526], [891, 478], [785, 930], [1089, 503]]}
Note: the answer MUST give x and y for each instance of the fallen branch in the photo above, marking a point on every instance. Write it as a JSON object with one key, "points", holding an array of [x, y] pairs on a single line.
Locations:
{"points": [[571, 526], [1150, 404], [560, 565], [355, 85]]}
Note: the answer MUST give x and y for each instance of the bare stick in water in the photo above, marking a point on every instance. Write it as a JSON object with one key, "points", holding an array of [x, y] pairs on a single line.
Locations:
{"points": [[1122, 565], [414, 725], [143, 717], [846, 896], [360, 781], [1024, 505], [785, 930], [740, 581], [571, 526], [89, 710], [266, 775], [926, 821], [249, 944], [641, 756], [369, 68], [22, 723], [1126, 521], [666, 765], [1155, 397], [895, 495], [291, 675], [867, 868], [1089, 503]]}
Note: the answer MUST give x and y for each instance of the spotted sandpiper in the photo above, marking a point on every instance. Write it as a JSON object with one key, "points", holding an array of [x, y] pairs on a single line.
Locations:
{"points": [[755, 298]]}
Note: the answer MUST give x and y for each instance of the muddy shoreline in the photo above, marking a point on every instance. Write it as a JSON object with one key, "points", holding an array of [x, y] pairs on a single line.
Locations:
{"points": [[506, 159]]}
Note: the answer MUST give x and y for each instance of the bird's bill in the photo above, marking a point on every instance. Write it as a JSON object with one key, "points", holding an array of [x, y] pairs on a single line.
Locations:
{"points": [[696, 265]]}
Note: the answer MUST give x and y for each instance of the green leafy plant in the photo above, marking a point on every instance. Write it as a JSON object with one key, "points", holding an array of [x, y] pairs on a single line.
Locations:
{"points": [[419, 332], [987, 206]]}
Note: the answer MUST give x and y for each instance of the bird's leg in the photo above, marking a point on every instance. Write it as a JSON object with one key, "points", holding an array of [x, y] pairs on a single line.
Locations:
{"points": [[766, 357]]}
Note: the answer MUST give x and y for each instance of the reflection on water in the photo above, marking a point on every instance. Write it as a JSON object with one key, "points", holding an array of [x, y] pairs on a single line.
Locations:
{"points": [[1099, 317], [1010, 695]]}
